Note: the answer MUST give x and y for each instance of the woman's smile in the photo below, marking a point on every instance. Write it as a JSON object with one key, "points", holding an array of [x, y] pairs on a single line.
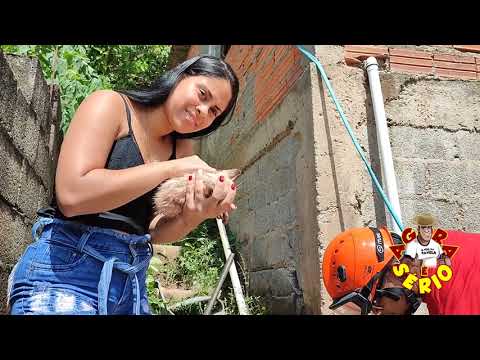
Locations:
{"points": [[192, 118]]}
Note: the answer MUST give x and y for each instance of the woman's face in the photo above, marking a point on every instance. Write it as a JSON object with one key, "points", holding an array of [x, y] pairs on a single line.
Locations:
{"points": [[196, 102]]}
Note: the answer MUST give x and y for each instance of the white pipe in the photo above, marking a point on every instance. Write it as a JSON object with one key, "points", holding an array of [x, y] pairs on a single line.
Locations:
{"points": [[383, 139], [237, 287]]}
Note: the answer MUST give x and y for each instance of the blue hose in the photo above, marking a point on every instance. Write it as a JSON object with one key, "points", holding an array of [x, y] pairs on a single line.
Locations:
{"points": [[312, 58]]}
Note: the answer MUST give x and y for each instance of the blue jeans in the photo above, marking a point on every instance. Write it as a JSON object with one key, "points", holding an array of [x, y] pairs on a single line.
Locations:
{"points": [[75, 269]]}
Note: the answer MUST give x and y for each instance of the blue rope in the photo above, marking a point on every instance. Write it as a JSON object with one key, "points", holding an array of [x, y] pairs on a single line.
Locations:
{"points": [[352, 136]]}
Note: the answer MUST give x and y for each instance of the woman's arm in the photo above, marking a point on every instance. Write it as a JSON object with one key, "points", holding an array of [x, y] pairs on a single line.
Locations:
{"points": [[83, 185], [177, 228], [172, 230]]}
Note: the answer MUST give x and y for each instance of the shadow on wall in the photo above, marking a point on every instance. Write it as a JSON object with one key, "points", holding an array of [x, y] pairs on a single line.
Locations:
{"points": [[379, 206], [330, 150]]}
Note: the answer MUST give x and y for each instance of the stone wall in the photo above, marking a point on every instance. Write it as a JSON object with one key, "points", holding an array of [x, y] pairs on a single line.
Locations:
{"points": [[29, 146]]}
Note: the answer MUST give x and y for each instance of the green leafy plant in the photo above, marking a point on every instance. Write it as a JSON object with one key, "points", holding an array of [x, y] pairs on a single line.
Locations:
{"points": [[129, 66], [81, 69], [199, 266]]}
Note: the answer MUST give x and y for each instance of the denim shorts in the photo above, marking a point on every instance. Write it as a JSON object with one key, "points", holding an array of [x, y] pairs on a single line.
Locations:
{"points": [[76, 269]]}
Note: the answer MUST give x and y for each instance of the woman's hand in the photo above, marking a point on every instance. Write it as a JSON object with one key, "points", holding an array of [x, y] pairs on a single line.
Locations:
{"points": [[188, 165], [224, 217], [197, 208]]}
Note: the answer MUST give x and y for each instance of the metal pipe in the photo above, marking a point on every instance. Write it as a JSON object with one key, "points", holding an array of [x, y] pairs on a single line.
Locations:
{"points": [[190, 301], [237, 287], [383, 138], [223, 276]]}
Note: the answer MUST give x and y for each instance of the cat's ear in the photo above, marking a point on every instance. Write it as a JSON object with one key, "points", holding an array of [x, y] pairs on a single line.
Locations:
{"points": [[233, 173]]}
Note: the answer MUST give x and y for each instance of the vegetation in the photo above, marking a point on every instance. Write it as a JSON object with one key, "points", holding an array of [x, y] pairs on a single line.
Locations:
{"points": [[198, 267], [81, 69]]}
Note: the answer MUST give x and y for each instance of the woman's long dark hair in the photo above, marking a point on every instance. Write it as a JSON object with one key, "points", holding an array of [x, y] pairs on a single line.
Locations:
{"points": [[161, 88]]}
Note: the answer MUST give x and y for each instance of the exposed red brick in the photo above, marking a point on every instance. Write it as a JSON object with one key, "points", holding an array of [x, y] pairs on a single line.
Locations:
{"points": [[360, 56], [411, 68], [454, 66], [262, 78], [411, 61], [233, 52], [233, 58], [299, 57], [246, 55], [469, 48], [260, 63], [193, 51], [281, 52], [356, 58], [367, 49], [266, 82], [477, 60], [264, 97], [293, 77], [454, 58], [472, 75], [280, 76], [247, 66], [257, 50], [352, 61], [267, 50], [276, 98], [410, 53]]}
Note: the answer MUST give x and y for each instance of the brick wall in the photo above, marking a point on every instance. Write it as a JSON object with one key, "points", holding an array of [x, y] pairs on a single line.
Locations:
{"points": [[454, 64], [275, 69], [194, 51], [265, 139]]}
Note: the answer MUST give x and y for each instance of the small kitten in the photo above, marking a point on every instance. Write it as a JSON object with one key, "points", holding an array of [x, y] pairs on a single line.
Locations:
{"points": [[169, 198]]}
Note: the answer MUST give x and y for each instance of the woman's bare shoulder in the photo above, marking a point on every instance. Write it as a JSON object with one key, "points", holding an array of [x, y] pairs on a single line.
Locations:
{"points": [[105, 98], [102, 108], [91, 133]]}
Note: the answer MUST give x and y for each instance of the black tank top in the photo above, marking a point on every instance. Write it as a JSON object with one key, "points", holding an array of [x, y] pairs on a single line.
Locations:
{"points": [[133, 217]]}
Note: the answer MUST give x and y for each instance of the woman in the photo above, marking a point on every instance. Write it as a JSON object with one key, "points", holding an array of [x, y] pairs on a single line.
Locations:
{"points": [[93, 245]]}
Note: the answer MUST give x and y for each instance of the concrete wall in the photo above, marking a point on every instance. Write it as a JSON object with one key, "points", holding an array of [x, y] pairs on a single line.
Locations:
{"points": [[433, 120], [29, 146], [436, 145], [269, 139], [303, 181]]}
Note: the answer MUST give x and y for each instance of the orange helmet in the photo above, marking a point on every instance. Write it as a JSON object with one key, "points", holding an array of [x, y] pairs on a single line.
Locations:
{"points": [[353, 263]]}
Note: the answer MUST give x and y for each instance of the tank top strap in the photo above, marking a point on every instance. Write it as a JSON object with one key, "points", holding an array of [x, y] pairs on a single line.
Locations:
{"points": [[173, 156], [129, 117]]}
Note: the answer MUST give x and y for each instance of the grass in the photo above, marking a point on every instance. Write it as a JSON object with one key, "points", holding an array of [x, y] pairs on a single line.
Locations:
{"points": [[198, 267]]}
